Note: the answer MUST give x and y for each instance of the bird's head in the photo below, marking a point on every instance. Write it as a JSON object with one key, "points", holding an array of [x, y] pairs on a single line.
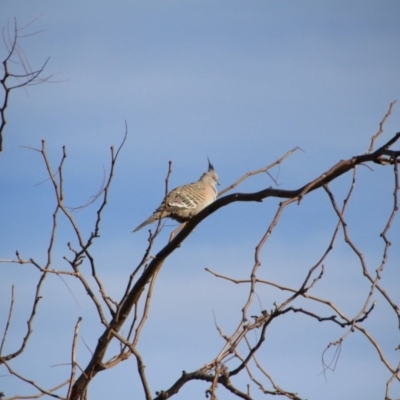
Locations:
{"points": [[210, 177]]}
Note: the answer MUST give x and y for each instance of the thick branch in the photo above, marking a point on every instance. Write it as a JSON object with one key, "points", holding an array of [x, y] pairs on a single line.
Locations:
{"points": [[203, 376]]}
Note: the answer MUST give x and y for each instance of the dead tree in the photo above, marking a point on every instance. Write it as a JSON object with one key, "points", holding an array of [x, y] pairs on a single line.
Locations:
{"points": [[238, 354]]}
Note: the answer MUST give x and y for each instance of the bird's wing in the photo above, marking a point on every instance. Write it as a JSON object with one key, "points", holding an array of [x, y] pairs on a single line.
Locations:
{"points": [[186, 197]]}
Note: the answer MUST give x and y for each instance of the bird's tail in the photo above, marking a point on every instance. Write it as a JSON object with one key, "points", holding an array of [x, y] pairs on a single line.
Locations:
{"points": [[148, 221], [142, 225]]}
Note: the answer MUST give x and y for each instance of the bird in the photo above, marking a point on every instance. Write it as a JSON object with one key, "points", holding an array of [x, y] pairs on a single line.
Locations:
{"points": [[185, 201]]}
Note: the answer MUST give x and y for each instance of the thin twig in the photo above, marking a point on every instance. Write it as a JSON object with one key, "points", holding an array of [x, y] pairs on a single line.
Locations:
{"points": [[10, 311], [73, 356], [32, 383], [258, 171], [381, 124]]}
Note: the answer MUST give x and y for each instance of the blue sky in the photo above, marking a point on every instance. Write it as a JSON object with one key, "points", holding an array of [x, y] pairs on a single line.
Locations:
{"points": [[241, 82]]}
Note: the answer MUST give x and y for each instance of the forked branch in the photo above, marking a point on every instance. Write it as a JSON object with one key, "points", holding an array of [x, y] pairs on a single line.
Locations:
{"points": [[11, 79]]}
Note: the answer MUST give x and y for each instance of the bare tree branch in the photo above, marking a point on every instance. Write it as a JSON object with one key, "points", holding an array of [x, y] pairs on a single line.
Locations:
{"points": [[73, 356], [12, 80], [381, 124], [8, 320], [32, 383], [258, 171], [383, 154]]}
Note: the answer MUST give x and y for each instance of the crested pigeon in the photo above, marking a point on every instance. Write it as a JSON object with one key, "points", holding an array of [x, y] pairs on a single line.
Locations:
{"points": [[186, 201]]}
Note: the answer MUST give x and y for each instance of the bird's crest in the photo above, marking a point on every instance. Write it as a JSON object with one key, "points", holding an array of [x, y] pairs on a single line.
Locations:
{"points": [[210, 166]]}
